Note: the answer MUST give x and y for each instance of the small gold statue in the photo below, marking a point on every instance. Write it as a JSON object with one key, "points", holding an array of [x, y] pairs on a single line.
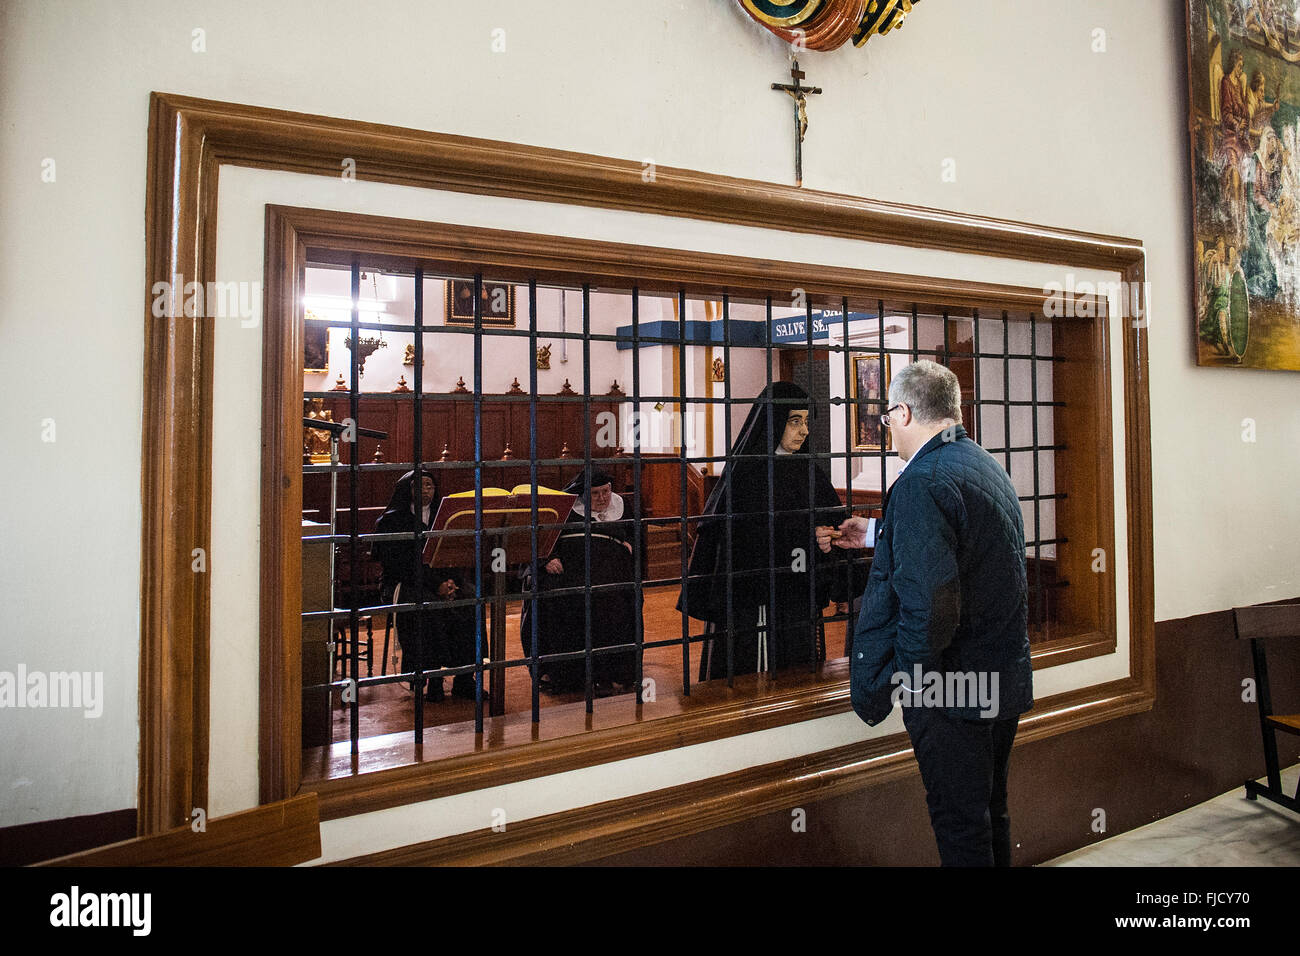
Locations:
{"points": [[316, 442], [544, 357]]}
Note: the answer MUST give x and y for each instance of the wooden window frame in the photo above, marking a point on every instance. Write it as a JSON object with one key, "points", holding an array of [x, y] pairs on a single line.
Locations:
{"points": [[189, 141]]}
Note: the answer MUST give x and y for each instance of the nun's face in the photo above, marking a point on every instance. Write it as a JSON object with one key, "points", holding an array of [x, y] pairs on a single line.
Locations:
{"points": [[796, 430], [600, 497], [426, 491]]}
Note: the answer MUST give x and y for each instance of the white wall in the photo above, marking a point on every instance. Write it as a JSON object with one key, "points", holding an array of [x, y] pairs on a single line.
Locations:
{"points": [[448, 357], [1041, 129]]}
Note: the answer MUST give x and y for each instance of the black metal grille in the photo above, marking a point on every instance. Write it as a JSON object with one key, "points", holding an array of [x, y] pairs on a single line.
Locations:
{"points": [[1000, 434]]}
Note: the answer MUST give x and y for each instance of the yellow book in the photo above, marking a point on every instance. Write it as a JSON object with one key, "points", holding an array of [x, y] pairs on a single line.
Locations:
{"points": [[503, 512], [499, 492]]}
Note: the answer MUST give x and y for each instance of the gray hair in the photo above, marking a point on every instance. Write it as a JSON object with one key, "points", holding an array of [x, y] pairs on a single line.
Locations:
{"points": [[929, 389]]}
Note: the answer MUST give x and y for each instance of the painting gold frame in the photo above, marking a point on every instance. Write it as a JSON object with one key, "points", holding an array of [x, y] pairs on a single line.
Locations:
{"points": [[315, 345], [863, 415], [491, 318]]}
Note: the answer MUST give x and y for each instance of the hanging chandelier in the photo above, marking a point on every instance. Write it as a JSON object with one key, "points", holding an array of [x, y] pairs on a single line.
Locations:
{"points": [[367, 345]]}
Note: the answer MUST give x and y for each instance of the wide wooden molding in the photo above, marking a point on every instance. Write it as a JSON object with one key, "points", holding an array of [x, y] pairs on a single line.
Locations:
{"points": [[448, 248], [393, 771], [585, 834], [189, 140], [276, 834]]}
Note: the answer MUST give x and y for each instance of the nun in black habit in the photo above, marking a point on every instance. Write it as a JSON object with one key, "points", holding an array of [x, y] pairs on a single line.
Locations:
{"points": [[430, 637], [774, 627], [561, 623]]}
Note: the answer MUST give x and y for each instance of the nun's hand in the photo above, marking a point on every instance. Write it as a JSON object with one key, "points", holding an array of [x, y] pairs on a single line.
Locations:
{"points": [[825, 535], [853, 533], [447, 589], [554, 566]]}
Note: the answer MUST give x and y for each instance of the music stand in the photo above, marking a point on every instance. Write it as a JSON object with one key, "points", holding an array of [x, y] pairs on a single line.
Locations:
{"points": [[507, 521]]}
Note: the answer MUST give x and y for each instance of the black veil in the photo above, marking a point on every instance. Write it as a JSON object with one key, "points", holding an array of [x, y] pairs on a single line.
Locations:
{"points": [[400, 501], [766, 528]]}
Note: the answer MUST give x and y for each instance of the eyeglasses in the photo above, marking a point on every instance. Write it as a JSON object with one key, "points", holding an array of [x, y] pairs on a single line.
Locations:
{"points": [[884, 419]]}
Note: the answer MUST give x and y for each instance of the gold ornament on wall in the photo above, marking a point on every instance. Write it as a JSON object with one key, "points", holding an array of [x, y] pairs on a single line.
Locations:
{"points": [[828, 24], [544, 357], [316, 441], [408, 357], [719, 370]]}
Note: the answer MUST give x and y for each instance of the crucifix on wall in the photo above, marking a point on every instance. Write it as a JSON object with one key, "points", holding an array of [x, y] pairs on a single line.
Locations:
{"points": [[799, 93]]}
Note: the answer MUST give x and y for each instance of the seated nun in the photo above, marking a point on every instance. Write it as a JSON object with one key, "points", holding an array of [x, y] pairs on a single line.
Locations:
{"points": [[561, 618]]}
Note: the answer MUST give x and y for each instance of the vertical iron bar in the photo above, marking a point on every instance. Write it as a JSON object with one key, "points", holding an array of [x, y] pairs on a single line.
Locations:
{"points": [[1038, 533], [354, 475], [810, 558], [1006, 389], [637, 530], [586, 470], [681, 407], [418, 483], [885, 439], [976, 414], [478, 503], [851, 412], [916, 344], [770, 464], [948, 360], [726, 423], [534, 576]]}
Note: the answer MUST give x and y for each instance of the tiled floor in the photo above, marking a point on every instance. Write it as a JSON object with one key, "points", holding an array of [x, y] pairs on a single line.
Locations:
{"points": [[1226, 831]]}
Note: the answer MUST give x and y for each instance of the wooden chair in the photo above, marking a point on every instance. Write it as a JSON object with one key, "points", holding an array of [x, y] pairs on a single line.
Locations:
{"points": [[1256, 624]]}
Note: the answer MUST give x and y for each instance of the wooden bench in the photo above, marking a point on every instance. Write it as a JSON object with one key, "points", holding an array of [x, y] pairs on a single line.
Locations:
{"points": [[1257, 624]]}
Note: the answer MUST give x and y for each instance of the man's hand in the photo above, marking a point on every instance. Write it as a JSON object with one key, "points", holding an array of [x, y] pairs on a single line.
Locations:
{"points": [[554, 566], [447, 589], [852, 534]]}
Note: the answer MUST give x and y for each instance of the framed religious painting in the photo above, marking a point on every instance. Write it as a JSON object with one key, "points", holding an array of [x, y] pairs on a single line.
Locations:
{"points": [[315, 346], [497, 298], [870, 388], [1243, 77]]}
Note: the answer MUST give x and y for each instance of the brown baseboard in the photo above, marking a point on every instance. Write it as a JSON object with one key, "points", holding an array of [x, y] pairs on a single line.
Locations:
{"points": [[632, 823], [33, 842]]}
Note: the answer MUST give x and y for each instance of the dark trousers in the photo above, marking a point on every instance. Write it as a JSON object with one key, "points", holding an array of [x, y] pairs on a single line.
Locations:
{"points": [[964, 768]]}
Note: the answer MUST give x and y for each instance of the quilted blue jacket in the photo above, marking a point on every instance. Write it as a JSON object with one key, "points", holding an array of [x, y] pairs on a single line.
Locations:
{"points": [[947, 589]]}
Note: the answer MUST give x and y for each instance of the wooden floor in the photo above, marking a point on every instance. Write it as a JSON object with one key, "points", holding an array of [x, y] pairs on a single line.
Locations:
{"points": [[390, 708]]}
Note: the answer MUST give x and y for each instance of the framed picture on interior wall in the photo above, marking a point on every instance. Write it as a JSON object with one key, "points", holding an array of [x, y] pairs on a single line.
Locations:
{"points": [[498, 303], [315, 346], [1243, 80], [870, 388]]}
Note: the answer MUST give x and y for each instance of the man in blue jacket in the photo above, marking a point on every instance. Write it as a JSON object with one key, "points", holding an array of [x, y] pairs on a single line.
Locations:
{"points": [[942, 630]]}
